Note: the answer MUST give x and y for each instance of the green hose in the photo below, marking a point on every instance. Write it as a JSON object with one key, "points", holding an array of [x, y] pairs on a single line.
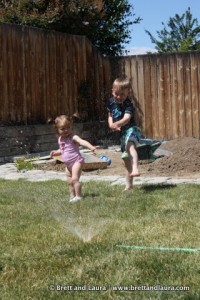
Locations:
{"points": [[159, 248]]}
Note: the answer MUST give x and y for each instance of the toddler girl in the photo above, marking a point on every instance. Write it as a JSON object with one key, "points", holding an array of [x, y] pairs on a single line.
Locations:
{"points": [[69, 150]]}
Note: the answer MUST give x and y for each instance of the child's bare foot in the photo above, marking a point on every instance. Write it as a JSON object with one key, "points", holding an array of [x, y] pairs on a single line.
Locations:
{"points": [[135, 173], [128, 189]]}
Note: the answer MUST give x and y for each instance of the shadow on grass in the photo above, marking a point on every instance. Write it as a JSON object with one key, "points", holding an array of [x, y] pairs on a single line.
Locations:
{"points": [[160, 186], [91, 195]]}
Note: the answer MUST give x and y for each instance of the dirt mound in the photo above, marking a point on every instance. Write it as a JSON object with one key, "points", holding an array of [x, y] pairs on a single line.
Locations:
{"points": [[184, 161], [185, 158]]}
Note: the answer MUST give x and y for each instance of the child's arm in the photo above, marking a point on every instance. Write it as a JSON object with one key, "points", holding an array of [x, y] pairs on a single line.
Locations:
{"points": [[123, 121], [110, 121], [55, 153], [84, 143], [118, 124], [112, 125]]}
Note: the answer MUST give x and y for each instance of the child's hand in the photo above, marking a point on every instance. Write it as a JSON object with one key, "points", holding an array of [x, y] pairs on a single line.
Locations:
{"points": [[52, 154], [115, 127], [94, 148], [55, 153]]}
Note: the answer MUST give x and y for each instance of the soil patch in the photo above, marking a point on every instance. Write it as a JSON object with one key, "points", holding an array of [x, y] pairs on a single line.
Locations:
{"points": [[184, 161]]}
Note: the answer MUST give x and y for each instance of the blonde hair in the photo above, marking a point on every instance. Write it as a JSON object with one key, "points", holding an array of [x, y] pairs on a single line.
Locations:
{"points": [[62, 120], [121, 84]]}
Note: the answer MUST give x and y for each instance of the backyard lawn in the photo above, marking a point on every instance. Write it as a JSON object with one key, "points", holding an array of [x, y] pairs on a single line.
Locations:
{"points": [[53, 249]]}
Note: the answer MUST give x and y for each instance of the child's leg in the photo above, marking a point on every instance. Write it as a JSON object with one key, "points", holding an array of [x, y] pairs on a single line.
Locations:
{"points": [[131, 149], [76, 173], [69, 179], [129, 179]]}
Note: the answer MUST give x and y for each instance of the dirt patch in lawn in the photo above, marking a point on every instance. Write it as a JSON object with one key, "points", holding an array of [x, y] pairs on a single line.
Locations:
{"points": [[184, 161]]}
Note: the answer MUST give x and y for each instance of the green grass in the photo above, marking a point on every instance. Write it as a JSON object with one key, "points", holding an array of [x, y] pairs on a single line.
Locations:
{"points": [[23, 164], [46, 241]]}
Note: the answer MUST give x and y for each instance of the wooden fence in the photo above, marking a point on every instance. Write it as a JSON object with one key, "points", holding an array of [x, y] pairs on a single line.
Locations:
{"points": [[46, 73], [167, 91]]}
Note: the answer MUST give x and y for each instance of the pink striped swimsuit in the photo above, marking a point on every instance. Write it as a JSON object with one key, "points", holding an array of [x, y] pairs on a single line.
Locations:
{"points": [[70, 151]]}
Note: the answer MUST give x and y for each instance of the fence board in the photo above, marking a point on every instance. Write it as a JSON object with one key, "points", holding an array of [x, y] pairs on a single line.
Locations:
{"points": [[141, 100], [2, 74], [11, 74], [198, 68], [127, 67], [147, 96], [17, 76], [95, 86], [161, 97], [31, 61], [174, 97], [40, 88], [59, 73], [70, 77], [65, 76], [99, 96], [77, 76], [134, 76], [167, 101], [107, 87], [187, 89], [52, 100], [181, 95], [5, 78], [195, 98], [154, 96]]}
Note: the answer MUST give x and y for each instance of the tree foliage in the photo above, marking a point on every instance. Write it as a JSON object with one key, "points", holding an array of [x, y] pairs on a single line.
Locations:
{"points": [[183, 34], [106, 23]]}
